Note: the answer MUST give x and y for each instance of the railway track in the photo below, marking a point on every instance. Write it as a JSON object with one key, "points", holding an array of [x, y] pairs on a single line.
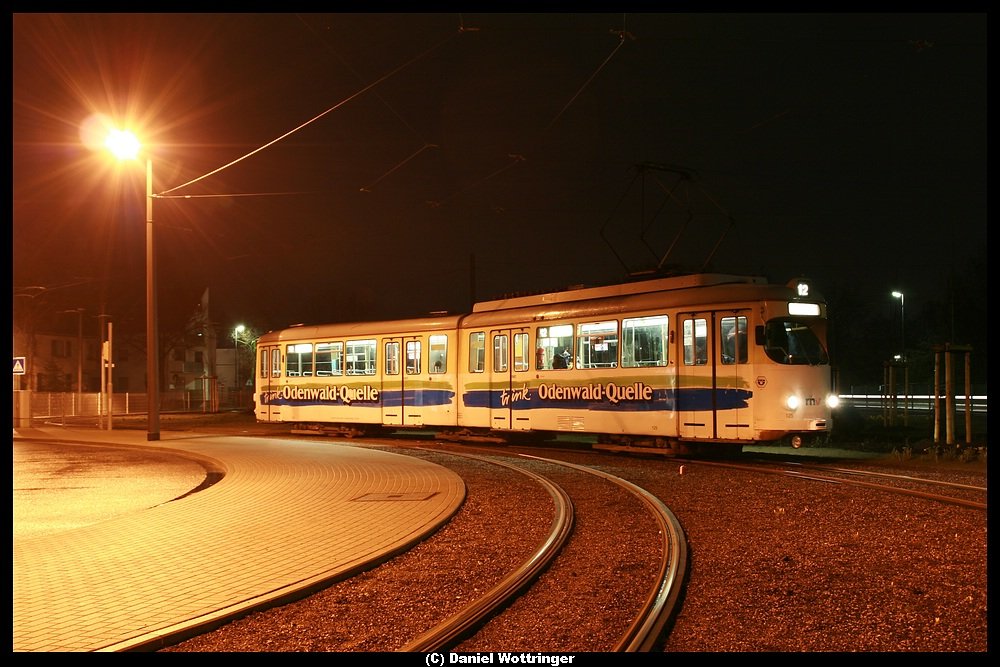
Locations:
{"points": [[449, 632], [647, 621], [514, 570], [927, 487], [778, 551], [895, 551]]}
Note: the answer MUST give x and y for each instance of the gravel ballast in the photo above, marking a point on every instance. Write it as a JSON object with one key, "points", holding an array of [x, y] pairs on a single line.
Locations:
{"points": [[776, 564]]}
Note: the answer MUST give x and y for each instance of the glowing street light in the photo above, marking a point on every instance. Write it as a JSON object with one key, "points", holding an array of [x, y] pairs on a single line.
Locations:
{"points": [[902, 322], [125, 146]]}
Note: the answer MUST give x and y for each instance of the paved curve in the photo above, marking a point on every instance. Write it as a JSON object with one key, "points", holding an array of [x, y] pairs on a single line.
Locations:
{"points": [[60, 486], [286, 518]]}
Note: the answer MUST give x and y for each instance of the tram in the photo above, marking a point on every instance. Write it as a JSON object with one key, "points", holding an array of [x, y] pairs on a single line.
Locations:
{"points": [[676, 365]]}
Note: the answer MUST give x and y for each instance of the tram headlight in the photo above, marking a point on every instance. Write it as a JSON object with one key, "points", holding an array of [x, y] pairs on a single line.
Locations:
{"points": [[832, 401], [793, 402]]}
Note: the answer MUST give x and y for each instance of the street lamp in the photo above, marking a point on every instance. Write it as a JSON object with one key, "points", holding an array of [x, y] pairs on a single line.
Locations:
{"points": [[124, 145], [236, 356], [902, 322]]}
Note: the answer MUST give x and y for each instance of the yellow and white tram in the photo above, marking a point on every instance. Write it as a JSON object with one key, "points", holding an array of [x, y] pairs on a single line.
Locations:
{"points": [[671, 363]]}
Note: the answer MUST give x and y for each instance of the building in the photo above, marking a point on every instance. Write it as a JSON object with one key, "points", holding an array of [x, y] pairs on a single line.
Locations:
{"points": [[193, 373]]}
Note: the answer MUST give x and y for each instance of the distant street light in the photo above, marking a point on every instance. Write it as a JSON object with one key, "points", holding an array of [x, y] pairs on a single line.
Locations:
{"points": [[902, 323], [124, 145]]}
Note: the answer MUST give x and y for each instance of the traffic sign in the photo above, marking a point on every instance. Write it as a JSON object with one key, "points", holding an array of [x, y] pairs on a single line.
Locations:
{"points": [[19, 365]]}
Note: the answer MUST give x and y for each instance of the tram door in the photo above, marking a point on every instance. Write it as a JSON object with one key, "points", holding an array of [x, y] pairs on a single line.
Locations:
{"points": [[413, 367], [509, 378], [715, 375], [696, 418], [734, 379], [268, 378], [400, 381], [392, 382]]}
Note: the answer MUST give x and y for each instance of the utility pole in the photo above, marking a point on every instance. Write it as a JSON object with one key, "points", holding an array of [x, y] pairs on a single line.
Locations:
{"points": [[111, 376], [79, 357], [103, 349]]}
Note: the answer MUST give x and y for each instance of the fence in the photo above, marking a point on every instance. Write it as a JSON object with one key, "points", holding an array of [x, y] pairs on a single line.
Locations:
{"points": [[917, 402], [62, 406]]}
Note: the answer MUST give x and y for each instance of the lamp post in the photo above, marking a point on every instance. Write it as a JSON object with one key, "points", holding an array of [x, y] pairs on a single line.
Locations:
{"points": [[125, 145], [902, 323], [152, 344], [236, 356], [104, 402]]}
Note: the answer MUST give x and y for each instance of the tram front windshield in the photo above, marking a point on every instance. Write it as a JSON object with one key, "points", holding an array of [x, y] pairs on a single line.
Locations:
{"points": [[791, 341]]}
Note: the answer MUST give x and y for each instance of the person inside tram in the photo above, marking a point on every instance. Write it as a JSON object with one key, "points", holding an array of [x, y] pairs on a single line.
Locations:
{"points": [[561, 358], [730, 354], [701, 351]]}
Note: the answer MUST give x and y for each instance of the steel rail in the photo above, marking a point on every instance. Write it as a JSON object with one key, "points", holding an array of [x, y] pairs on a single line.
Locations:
{"points": [[644, 632], [451, 630]]}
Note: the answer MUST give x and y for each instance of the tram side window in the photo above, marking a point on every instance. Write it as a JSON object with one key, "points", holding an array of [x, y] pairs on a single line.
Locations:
{"points": [[329, 359], [413, 357], [644, 341], [597, 344], [477, 352], [554, 347], [361, 357], [438, 353], [521, 352], [276, 362], [299, 359], [695, 337], [392, 358], [262, 368], [733, 334], [500, 352]]}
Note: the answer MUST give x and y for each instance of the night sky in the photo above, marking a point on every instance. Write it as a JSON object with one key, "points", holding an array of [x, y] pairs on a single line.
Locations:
{"points": [[349, 166]]}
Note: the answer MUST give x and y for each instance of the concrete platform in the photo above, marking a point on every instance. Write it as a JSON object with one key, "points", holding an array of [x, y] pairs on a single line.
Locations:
{"points": [[287, 518]]}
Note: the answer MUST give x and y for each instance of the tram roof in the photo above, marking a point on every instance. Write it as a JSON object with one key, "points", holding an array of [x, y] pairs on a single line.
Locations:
{"points": [[622, 289]]}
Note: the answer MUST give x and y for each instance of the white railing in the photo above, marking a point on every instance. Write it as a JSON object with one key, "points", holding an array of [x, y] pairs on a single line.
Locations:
{"points": [[55, 405], [917, 402]]}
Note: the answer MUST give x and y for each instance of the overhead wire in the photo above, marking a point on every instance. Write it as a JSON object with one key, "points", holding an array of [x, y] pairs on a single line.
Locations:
{"points": [[621, 41], [518, 157], [425, 144], [312, 120]]}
